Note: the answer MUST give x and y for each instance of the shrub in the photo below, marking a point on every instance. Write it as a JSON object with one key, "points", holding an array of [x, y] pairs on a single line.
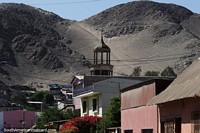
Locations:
{"points": [[80, 124]]}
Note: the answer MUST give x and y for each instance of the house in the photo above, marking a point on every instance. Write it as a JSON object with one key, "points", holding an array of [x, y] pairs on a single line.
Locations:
{"points": [[54, 88], [80, 82], [136, 117], [67, 91], [95, 97], [23, 89], [38, 105], [7, 106], [179, 104], [65, 105]]}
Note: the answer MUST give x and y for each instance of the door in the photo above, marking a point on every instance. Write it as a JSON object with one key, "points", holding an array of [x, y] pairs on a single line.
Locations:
{"points": [[177, 125]]}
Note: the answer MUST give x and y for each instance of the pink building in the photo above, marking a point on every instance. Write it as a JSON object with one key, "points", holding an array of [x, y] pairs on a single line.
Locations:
{"points": [[19, 119], [136, 117], [179, 104]]}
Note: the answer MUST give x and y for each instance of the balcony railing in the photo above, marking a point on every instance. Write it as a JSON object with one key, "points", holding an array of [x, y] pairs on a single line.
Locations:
{"points": [[80, 91]]}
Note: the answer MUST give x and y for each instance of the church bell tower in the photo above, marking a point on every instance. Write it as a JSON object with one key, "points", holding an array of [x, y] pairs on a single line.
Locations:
{"points": [[101, 64]]}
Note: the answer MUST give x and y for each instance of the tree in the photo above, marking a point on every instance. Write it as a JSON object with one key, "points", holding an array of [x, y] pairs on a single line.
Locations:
{"points": [[43, 96], [19, 98], [84, 124], [112, 117], [136, 71], [53, 114], [152, 73], [48, 98], [168, 71]]}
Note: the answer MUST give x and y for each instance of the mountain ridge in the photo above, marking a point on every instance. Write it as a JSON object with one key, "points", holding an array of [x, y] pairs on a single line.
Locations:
{"points": [[42, 47]]}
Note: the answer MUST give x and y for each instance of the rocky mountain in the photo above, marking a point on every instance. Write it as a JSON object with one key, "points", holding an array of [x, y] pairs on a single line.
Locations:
{"points": [[37, 46], [30, 47], [134, 17], [148, 34]]}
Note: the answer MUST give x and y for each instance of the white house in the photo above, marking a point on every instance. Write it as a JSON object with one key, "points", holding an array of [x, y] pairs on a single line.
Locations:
{"points": [[95, 98]]}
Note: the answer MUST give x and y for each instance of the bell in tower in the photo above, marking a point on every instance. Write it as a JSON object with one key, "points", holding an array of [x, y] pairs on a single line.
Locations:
{"points": [[101, 64]]}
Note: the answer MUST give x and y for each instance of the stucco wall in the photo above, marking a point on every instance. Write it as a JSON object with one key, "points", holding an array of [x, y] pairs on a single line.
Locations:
{"points": [[77, 102], [180, 108], [90, 107], [144, 117], [103, 102]]}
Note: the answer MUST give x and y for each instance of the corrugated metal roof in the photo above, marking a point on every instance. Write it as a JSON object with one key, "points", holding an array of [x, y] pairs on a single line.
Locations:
{"points": [[116, 83], [186, 85], [90, 79]]}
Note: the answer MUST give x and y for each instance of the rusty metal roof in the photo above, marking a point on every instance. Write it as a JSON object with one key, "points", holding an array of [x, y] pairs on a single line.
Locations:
{"points": [[186, 85]]}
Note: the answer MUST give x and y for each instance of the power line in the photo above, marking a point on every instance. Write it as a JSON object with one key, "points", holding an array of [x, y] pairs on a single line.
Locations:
{"points": [[67, 3], [159, 57], [136, 61], [152, 60]]}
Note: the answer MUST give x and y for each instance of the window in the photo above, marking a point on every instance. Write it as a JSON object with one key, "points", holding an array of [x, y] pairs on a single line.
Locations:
{"points": [[94, 104], [69, 96], [128, 131], [196, 122], [147, 130], [171, 125], [84, 106]]}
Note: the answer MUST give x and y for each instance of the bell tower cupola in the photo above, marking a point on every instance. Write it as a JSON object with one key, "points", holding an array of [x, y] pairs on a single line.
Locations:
{"points": [[101, 64]]}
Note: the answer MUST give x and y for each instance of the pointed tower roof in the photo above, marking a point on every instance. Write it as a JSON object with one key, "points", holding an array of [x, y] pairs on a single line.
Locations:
{"points": [[102, 46]]}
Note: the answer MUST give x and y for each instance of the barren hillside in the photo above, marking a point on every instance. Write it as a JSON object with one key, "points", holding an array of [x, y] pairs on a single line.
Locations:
{"points": [[147, 34], [40, 47], [32, 48]]}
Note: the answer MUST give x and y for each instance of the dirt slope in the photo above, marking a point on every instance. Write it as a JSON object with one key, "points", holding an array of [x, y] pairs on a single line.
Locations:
{"points": [[38, 47]]}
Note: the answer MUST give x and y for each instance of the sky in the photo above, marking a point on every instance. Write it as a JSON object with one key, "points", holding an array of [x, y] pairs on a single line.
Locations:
{"points": [[82, 9]]}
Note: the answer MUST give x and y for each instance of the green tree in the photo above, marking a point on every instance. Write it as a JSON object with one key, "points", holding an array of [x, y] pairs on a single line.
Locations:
{"points": [[53, 114], [19, 98], [168, 71], [48, 98], [136, 71], [43, 96], [152, 73], [112, 117]]}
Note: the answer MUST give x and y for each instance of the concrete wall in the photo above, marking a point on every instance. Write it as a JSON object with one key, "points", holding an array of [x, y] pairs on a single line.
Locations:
{"points": [[144, 117], [106, 97], [180, 108]]}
